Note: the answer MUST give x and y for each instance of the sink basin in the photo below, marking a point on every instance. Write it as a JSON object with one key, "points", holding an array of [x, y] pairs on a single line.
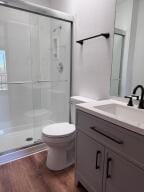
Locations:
{"points": [[116, 112], [124, 113]]}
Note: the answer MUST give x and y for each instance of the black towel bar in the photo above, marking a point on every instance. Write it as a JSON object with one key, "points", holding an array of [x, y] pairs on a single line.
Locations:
{"points": [[106, 35]]}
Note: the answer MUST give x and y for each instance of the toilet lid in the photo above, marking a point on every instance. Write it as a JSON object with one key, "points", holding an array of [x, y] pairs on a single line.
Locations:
{"points": [[59, 129]]}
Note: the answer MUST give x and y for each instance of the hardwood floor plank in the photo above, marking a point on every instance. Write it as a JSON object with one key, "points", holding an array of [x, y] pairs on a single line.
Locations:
{"points": [[31, 175]]}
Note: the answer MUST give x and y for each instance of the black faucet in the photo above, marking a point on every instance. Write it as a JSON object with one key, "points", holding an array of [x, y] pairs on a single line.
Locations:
{"points": [[130, 103], [141, 102]]}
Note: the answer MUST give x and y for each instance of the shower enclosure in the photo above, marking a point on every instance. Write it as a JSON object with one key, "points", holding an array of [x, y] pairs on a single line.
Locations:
{"points": [[35, 65]]}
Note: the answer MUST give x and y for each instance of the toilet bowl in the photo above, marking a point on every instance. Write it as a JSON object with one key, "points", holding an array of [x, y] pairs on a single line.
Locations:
{"points": [[60, 138]]}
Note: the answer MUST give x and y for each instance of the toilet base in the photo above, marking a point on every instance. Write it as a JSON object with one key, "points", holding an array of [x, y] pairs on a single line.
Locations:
{"points": [[59, 158]]}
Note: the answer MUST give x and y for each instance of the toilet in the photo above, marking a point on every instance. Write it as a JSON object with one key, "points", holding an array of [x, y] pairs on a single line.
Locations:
{"points": [[60, 138]]}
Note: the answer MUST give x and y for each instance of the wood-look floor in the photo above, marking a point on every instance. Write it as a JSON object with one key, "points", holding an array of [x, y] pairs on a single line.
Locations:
{"points": [[31, 175]]}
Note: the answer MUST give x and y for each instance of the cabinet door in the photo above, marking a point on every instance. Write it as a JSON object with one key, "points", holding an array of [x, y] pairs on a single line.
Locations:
{"points": [[89, 162], [122, 176]]}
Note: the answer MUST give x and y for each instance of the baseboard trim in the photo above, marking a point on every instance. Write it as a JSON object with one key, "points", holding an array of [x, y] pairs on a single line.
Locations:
{"points": [[22, 153]]}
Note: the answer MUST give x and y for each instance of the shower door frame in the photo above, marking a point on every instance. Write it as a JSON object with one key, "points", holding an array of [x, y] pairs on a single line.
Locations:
{"points": [[37, 9], [24, 5]]}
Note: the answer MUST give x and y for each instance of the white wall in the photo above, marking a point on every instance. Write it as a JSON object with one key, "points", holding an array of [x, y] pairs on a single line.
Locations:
{"points": [[68, 6], [40, 2], [92, 64]]}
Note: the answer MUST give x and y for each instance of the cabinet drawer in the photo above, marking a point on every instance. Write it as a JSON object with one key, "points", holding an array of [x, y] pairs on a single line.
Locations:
{"points": [[119, 139]]}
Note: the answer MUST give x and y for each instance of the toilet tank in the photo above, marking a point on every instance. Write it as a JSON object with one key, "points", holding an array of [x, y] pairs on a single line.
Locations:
{"points": [[74, 100]]}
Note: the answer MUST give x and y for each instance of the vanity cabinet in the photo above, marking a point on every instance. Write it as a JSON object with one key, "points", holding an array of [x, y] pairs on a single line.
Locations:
{"points": [[108, 157], [122, 176], [90, 160]]}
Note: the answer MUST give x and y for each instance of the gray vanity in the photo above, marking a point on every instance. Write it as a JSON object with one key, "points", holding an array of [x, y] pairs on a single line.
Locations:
{"points": [[109, 151]]}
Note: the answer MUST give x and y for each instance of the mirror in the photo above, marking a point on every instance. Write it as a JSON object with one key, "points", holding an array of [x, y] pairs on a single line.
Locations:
{"points": [[128, 50]]}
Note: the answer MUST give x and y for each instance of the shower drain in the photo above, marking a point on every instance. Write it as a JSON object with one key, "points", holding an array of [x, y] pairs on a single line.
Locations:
{"points": [[29, 139]]}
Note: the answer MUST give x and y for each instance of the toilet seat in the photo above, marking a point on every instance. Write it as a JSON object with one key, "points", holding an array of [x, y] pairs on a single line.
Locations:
{"points": [[59, 130]]}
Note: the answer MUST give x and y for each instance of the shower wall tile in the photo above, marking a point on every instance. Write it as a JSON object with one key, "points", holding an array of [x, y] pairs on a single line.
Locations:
{"points": [[14, 15], [18, 54], [17, 102], [60, 67], [60, 102], [35, 52], [44, 47]]}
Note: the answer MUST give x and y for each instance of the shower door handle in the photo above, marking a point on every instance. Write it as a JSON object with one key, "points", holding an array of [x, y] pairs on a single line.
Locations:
{"points": [[48, 81], [43, 81], [19, 82]]}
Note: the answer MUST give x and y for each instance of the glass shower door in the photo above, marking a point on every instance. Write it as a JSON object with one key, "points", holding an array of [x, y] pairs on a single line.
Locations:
{"points": [[35, 58], [15, 79], [51, 90]]}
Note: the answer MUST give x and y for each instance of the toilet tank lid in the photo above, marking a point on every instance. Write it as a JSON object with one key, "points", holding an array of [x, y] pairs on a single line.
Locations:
{"points": [[80, 99]]}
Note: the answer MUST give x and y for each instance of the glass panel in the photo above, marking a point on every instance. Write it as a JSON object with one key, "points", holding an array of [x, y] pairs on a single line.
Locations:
{"points": [[51, 102], [15, 79], [34, 75], [3, 71], [15, 124], [52, 88], [117, 65]]}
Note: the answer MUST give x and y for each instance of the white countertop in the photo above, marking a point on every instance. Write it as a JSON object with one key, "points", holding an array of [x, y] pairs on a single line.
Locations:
{"points": [[125, 123]]}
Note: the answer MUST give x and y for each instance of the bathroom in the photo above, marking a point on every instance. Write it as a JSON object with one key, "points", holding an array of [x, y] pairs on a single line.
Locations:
{"points": [[71, 96]]}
